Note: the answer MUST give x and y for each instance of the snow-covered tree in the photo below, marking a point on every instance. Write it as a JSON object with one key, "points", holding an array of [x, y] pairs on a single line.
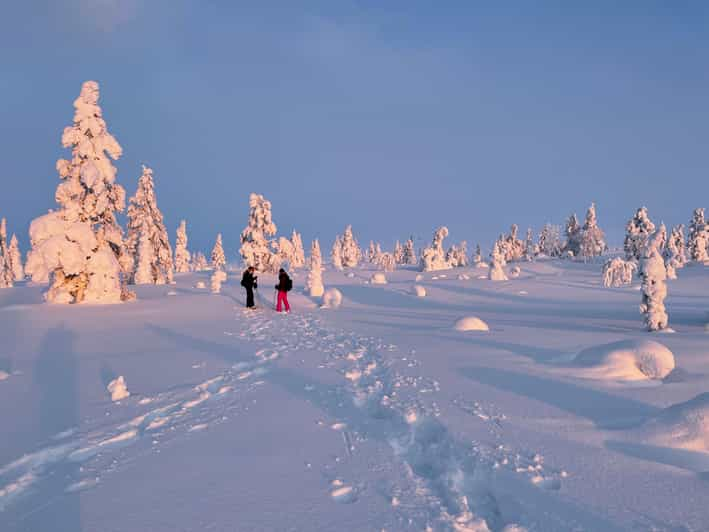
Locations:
{"points": [[530, 248], [398, 253], [434, 257], [654, 285], [550, 240], [313, 284], [182, 255], [573, 236], [698, 237], [675, 254], [79, 244], [218, 259], [477, 256], [336, 253], [146, 221], [410, 253], [371, 252], [7, 275], [618, 272], [286, 251], [497, 262], [145, 260], [513, 246], [351, 252], [298, 251], [592, 239], [15, 259], [637, 233], [457, 256], [386, 262], [257, 249], [199, 263]]}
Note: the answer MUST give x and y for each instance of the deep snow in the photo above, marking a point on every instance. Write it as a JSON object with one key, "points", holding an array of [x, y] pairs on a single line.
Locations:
{"points": [[375, 415]]}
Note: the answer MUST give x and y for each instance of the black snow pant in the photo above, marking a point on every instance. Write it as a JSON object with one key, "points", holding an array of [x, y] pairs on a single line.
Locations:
{"points": [[249, 297]]}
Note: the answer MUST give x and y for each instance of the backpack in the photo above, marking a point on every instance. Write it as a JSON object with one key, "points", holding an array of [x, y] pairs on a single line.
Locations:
{"points": [[289, 284]]}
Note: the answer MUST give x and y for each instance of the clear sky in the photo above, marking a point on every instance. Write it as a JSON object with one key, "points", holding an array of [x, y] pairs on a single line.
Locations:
{"points": [[394, 116]]}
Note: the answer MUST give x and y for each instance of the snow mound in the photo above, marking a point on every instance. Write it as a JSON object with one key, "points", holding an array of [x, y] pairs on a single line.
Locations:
{"points": [[515, 271], [471, 323], [631, 360], [419, 277], [378, 278], [418, 290], [200, 284], [350, 275], [118, 389], [684, 425], [3, 375], [332, 298]]}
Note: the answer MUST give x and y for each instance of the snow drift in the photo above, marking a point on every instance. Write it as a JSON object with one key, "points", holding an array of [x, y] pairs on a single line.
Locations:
{"points": [[378, 278], [684, 425], [418, 290], [332, 298], [631, 360], [471, 323]]}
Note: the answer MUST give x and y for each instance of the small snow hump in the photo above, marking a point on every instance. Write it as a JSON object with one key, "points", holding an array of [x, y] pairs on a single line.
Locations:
{"points": [[378, 278], [471, 323], [418, 290], [683, 425], [630, 360], [332, 298]]}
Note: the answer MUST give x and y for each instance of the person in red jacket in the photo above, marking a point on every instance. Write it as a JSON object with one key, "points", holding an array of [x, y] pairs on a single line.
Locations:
{"points": [[285, 284]]}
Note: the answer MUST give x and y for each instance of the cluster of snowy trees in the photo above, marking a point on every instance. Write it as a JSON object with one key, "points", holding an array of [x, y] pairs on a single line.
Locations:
{"points": [[587, 240]]}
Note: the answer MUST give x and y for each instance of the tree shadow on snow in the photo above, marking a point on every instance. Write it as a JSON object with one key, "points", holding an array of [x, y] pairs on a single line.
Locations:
{"points": [[229, 353], [606, 411], [48, 506], [694, 461]]}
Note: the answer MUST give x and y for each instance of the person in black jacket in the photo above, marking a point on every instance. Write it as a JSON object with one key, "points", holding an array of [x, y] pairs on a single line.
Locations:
{"points": [[284, 285], [248, 281]]}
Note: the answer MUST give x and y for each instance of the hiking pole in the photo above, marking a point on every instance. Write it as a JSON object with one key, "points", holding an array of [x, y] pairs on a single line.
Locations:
{"points": [[275, 293]]}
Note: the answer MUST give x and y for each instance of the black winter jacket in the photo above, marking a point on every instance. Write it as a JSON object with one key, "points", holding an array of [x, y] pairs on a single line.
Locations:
{"points": [[248, 280], [283, 283]]}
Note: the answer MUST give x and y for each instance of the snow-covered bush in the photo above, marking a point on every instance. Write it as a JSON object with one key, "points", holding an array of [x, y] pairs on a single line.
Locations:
{"points": [[434, 257], [199, 263], [471, 323], [550, 240], [118, 389], [592, 239], [146, 228], [336, 254], [618, 272], [79, 244], [515, 272], [637, 233], [200, 284], [218, 259], [182, 255], [216, 280], [410, 253], [497, 261], [698, 238], [654, 286], [378, 278], [631, 360], [332, 298], [256, 246], [674, 253], [418, 290], [313, 284]]}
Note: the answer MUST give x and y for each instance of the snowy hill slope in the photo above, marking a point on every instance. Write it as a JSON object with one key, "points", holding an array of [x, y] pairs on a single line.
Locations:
{"points": [[377, 415]]}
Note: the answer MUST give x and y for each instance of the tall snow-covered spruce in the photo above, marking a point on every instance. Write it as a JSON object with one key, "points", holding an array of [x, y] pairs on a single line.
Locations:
{"points": [[218, 258], [410, 257], [6, 273], [147, 228], [698, 238], [336, 253], [497, 261], [77, 246], [637, 232], [592, 239], [182, 254], [434, 257], [15, 259], [351, 252], [654, 282], [313, 284], [257, 246]]}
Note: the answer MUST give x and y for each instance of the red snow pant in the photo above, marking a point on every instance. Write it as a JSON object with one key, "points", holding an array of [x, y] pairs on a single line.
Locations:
{"points": [[282, 297]]}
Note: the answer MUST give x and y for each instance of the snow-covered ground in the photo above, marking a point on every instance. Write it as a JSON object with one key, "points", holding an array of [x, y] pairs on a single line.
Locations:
{"points": [[377, 415]]}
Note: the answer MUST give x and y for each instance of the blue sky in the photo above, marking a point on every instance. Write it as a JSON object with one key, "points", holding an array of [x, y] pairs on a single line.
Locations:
{"points": [[396, 117]]}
